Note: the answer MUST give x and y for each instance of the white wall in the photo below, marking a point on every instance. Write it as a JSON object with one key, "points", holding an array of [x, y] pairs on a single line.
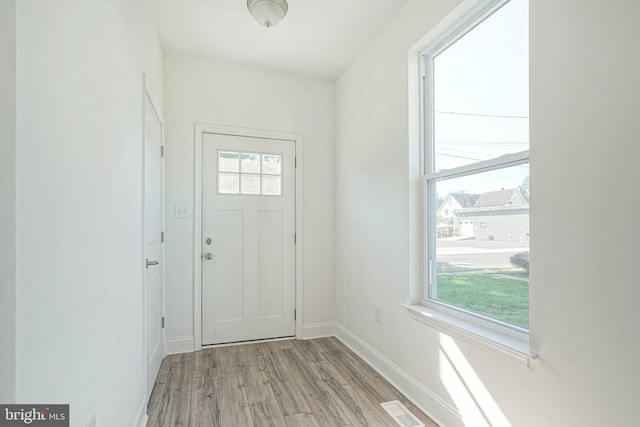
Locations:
{"points": [[584, 150], [234, 95], [79, 204], [8, 198]]}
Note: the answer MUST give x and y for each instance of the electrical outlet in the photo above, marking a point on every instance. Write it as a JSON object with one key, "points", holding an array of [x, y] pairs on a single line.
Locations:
{"points": [[377, 316]]}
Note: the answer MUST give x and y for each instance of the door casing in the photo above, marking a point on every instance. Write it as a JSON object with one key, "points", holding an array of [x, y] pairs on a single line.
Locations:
{"points": [[200, 129]]}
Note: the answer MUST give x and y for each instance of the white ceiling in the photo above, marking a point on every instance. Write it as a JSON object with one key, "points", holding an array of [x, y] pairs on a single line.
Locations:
{"points": [[317, 38]]}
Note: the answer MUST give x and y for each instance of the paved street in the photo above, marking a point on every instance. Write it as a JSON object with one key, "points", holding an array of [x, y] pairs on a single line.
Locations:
{"points": [[478, 253]]}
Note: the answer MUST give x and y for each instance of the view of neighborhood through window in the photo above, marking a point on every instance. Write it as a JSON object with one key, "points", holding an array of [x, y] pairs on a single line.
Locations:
{"points": [[249, 173], [477, 169]]}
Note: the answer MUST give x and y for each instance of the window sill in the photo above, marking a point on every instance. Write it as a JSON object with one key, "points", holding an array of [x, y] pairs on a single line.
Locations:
{"points": [[505, 346]]}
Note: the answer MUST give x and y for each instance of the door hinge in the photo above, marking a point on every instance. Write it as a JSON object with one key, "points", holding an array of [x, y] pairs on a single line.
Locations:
{"points": [[295, 162], [295, 238], [162, 151], [162, 236], [295, 314], [162, 322]]}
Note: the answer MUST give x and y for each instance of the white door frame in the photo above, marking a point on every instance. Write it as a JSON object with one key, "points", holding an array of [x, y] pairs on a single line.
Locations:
{"points": [[200, 129], [145, 320]]}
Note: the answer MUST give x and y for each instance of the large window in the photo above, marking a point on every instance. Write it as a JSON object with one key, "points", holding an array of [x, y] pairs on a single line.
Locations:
{"points": [[476, 168]]}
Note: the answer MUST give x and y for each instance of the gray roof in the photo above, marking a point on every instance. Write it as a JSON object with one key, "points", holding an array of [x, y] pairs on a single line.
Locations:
{"points": [[496, 198], [465, 200]]}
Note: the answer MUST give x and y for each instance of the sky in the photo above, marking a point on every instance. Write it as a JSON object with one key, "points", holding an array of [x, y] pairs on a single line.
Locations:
{"points": [[481, 100]]}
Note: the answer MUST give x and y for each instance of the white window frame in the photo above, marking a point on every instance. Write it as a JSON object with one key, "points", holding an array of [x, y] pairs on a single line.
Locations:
{"points": [[448, 317]]}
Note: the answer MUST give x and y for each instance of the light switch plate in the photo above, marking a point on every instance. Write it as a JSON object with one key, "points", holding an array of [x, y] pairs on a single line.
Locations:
{"points": [[181, 211]]}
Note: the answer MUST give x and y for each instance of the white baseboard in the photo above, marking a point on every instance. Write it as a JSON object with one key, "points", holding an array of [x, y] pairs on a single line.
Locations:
{"points": [[424, 399], [141, 414], [179, 345], [318, 330]]}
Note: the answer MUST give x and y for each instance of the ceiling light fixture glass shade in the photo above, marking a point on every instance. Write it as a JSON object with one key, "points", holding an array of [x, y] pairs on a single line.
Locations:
{"points": [[268, 12]]}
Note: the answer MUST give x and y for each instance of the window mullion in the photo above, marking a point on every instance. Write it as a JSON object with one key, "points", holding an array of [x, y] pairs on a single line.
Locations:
{"points": [[428, 117], [431, 286], [483, 166]]}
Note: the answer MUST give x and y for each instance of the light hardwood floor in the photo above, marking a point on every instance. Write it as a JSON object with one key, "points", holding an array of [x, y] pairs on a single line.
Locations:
{"points": [[318, 383]]}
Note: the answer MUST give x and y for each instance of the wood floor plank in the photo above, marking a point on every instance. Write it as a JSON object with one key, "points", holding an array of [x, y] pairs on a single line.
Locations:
{"points": [[363, 377], [359, 413], [316, 383], [321, 345], [281, 344], [205, 359], [303, 377], [302, 420], [257, 384], [326, 416], [234, 408], [227, 361], [311, 419], [287, 393], [371, 409], [204, 400], [333, 343], [314, 391], [267, 414], [174, 407], [326, 371], [227, 356], [381, 386], [355, 411], [307, 351], [158, 389], [250, 355]]}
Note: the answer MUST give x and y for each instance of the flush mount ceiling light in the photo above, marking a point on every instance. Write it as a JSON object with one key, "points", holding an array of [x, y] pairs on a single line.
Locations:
{"points": [[268, 12]]}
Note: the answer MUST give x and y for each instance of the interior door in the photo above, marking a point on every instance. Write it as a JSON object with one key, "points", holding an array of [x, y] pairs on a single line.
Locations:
{"points": [[153, 242], [248, 232]]}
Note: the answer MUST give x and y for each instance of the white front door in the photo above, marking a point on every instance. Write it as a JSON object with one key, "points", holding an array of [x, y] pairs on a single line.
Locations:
{"points": [[153, 242], [248, 232]]}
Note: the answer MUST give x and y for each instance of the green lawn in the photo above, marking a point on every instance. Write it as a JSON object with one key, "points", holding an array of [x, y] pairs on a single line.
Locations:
{"points": [[486, 293]]}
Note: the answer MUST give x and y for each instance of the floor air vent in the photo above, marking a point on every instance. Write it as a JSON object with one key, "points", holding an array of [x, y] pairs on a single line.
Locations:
{"points": [[401, 414]]}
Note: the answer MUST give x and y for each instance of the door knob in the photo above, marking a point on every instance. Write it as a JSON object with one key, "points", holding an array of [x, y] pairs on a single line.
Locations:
{"points": [[151, 262], [208, 255]]}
